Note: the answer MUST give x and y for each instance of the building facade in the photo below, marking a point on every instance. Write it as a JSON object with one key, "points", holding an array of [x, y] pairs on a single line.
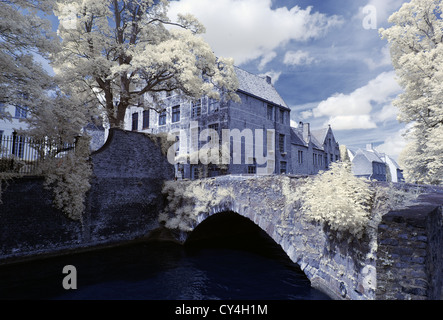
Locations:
{"points": [[312, 151], [256, 130]]}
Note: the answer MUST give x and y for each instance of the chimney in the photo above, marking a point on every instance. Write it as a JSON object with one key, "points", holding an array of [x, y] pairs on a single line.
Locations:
{"points": [[370, 147], [268, 79], [306, 132]]}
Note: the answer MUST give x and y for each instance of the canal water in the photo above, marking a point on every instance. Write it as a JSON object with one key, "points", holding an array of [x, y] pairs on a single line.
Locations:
{"points": [[205, 270]]}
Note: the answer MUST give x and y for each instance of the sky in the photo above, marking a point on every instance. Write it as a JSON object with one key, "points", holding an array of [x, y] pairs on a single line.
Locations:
{"points": [[326, 59]]}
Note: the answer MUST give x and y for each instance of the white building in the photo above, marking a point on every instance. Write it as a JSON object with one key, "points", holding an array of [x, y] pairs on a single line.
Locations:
{"points": [[373, 165]]}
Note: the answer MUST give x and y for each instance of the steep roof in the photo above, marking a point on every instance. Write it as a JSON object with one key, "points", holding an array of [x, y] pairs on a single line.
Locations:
{"points": [[320, 134], [387, 158], [371, 156], [297, 137], [316, 144], [258, 86]]}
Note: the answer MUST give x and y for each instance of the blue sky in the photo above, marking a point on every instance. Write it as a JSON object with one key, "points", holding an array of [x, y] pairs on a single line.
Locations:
{"points": [[326, 59]]}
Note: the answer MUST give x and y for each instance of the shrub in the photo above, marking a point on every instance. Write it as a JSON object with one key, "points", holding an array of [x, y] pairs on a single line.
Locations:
{"points": [[68, 177], [339, 199], [346, 203]]}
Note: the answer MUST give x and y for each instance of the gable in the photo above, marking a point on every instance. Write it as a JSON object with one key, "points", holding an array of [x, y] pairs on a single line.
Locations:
{"points": [[259, 87]]}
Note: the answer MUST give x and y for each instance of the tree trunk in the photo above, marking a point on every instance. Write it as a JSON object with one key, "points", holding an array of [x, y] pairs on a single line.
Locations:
{"points": [[120, 120]]}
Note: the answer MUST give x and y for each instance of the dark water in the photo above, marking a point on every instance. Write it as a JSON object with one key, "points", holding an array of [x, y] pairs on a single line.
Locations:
{"points": [[163, 271], [226, 257]]}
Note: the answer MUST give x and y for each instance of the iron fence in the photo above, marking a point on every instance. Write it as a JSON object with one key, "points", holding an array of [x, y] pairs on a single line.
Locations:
{"points": [[22, 154]]}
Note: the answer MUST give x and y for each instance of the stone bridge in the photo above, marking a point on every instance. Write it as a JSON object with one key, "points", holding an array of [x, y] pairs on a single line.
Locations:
{"points": [[399, 257]]}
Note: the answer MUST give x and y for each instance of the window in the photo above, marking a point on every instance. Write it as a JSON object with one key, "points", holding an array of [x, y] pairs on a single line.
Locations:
{"points": [[213, 106], [270, 114], [214, 134], [281, 142], [282, 116], [135, 121], [194, 173], [196, 109], [252, 169], [177, 144], [195, 138], [176, 114], [21, 112], [162, 119], [283, 167], [145, 119], [300, 157]]}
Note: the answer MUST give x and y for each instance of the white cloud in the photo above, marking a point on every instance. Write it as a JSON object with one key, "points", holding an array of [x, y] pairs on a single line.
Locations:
{"points": [[268, 57], [394, 144], [354, 110], [275, 75], [306, 114], [350, 122], [250, 29], [297, 58], [385, 59], [388, 112], [294, 123]]}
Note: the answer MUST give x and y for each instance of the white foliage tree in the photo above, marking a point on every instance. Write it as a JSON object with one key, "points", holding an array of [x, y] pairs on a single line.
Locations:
{"points": [[416, 39], [54, 117], [23, 35], [115, 51]]}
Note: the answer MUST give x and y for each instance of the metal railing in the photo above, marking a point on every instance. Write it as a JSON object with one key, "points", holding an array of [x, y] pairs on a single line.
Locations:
{"points": [[22, 154]]}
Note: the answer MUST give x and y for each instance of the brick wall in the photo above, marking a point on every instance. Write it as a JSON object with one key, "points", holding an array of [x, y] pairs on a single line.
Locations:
{"points": [[123, 203]]}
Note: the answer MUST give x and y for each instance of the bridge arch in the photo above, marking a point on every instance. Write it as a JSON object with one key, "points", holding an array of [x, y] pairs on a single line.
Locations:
{"points": [[339, 269], [295, 254]]}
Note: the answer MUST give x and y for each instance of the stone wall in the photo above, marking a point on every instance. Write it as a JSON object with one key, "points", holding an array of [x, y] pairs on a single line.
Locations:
{"points": [[123, 203], [410, 251]]}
